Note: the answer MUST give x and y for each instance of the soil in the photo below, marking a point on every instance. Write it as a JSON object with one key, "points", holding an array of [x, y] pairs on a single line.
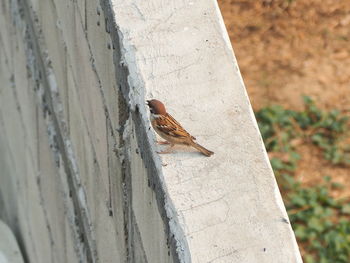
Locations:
{"points": [[289, 48]]}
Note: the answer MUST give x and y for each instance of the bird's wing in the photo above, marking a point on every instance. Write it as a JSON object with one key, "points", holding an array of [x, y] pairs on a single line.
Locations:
{"points": [[170, 126]]}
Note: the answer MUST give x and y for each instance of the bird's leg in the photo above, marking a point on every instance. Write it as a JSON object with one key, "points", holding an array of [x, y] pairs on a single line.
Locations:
{"points": [[163, 142], [167, 150]]}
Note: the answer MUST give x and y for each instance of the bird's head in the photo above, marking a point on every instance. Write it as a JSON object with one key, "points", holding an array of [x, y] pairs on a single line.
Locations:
{"points": [[156, 107]]}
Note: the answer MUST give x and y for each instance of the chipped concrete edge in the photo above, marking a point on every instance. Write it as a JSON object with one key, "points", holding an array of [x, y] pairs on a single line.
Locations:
{"points": [[134, 84], [48, 97]]}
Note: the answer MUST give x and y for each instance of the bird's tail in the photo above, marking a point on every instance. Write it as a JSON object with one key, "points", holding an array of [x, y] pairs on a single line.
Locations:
{"points": [[200, 148]]}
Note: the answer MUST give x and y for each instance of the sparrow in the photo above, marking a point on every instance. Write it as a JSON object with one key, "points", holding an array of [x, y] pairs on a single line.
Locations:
{"points": [[170, 130]]}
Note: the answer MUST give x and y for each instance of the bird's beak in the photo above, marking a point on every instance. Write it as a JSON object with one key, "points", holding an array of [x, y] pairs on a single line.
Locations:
{"points": [[147, 101]]}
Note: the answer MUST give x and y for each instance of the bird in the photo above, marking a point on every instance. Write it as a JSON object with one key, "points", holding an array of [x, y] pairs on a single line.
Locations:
{"points": [[170, 130]]}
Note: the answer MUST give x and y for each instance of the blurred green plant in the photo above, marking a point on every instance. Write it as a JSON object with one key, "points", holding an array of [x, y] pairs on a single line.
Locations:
{"points": [[321, 223], [328, 130]]}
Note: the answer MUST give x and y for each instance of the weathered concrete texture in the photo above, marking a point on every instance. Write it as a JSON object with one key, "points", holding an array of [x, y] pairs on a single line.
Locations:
{"points": [[57, 178], [229, 204], [80, 178], [9, 250], [78, 182]]}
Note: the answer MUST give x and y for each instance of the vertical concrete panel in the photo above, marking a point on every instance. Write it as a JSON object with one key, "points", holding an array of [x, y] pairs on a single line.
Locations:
{"points": [[31, 150], [150, 238]]}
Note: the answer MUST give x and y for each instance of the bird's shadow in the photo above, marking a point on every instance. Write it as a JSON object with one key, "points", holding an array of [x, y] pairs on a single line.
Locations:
{"points": [[181, 150]]}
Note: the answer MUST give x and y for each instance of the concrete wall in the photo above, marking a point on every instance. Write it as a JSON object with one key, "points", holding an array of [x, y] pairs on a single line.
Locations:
{"points": [[80, 179]]}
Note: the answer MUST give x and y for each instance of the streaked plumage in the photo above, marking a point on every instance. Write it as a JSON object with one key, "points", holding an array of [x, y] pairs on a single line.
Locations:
{"points": [[170, 130]]}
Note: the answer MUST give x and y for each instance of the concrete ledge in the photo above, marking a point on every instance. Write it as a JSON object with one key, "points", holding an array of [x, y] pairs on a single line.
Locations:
{"points": [[228, 205]]}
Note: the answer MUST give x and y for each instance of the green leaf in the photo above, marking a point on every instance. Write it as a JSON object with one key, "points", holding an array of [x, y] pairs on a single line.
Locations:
{"points": [[345, 209], [298, 201], [277, 164]]}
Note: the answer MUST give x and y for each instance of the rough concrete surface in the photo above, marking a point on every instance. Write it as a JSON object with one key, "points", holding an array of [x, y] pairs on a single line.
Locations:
{"points": [[229, 204], [80, 177], [78, 181]]}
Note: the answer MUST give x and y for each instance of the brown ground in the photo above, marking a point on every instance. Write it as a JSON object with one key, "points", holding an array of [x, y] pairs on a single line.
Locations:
{"points": [[287, 48]]}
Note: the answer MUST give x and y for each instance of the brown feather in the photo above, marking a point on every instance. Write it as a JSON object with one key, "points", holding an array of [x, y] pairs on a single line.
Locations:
{"points": [[170, 130], [170, 126]]}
